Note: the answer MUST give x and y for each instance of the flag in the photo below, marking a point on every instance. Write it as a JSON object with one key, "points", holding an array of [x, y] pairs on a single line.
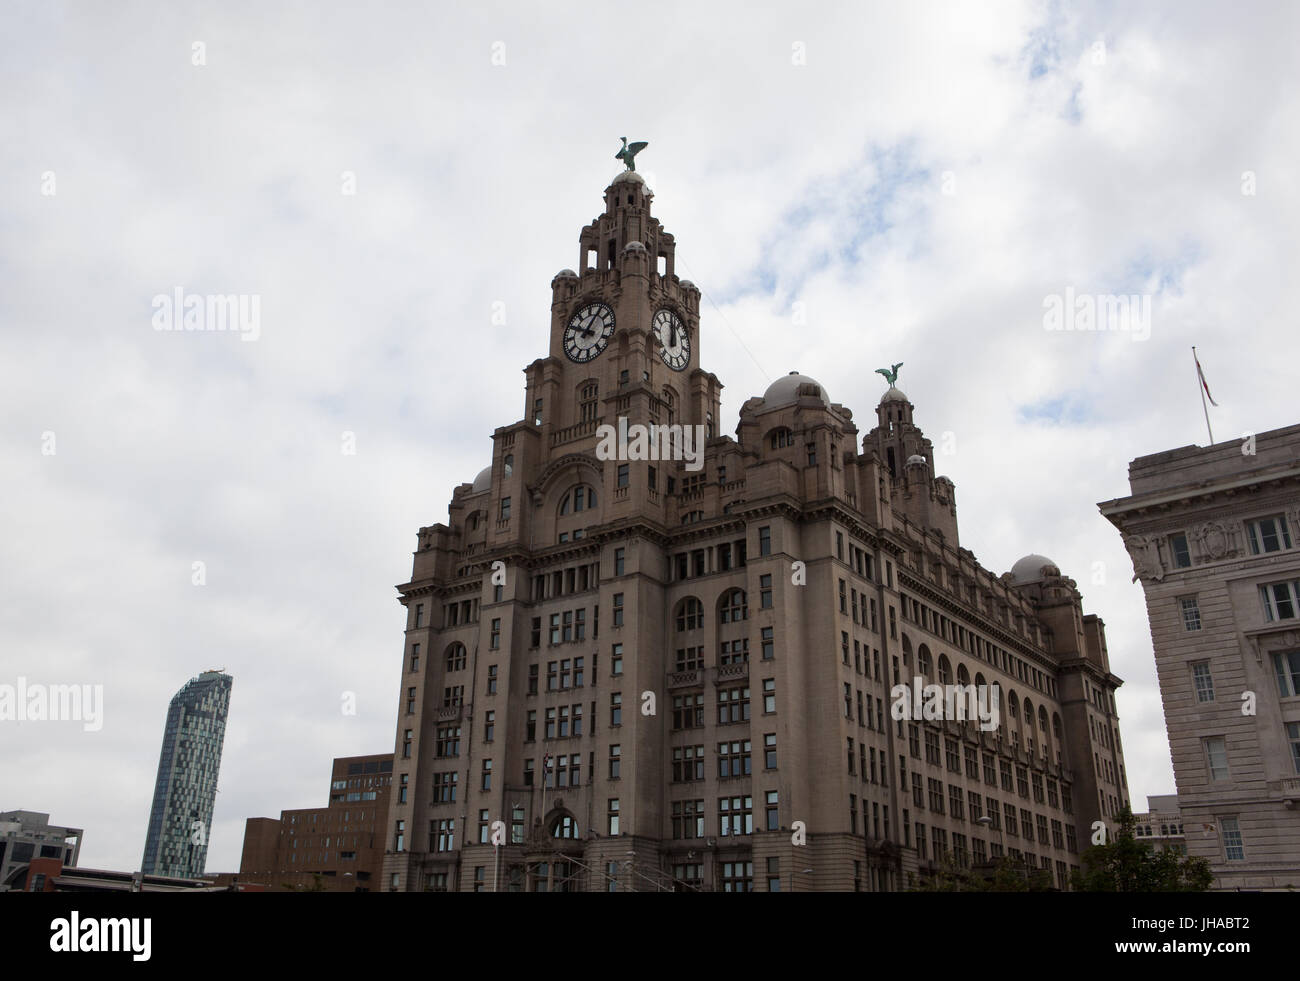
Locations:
{"points": [[1201, 375]]}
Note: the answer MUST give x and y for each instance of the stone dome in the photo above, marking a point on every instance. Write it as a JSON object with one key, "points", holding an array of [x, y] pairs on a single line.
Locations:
{"points": [[566, 274], [916, 460], [629, 175], [634, 247], [1033, 568], [893, 395], [791, 388], [483, 481], [687, 284]]}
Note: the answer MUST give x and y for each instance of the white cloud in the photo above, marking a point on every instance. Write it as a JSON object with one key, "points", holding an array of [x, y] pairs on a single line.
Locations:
{"points": [[473, 182]]}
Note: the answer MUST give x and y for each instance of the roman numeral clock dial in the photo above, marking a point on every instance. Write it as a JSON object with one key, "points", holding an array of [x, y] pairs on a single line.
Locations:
{"points": [[674, 340], [588, 331]]}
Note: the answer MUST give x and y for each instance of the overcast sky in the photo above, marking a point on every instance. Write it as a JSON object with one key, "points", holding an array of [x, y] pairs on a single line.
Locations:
{"points": [[920, 178]]}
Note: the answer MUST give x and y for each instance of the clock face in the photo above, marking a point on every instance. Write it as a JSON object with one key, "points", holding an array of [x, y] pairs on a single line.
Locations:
{"points": [[588, 332], [674, 341]]}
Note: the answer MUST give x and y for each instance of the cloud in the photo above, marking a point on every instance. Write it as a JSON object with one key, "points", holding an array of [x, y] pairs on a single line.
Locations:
{"points": [[820, 183]]}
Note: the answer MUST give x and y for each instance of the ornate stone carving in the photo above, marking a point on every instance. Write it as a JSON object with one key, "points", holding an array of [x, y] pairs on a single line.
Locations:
{"points": [[1147, 560], [1216, 540]]}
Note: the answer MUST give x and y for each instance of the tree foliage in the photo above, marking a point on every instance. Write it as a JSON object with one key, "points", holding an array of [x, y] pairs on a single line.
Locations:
{"points": [[1125, 864]]}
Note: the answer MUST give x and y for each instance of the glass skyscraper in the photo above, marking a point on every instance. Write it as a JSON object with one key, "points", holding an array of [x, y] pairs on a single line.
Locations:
{"points": [[186, 788]]}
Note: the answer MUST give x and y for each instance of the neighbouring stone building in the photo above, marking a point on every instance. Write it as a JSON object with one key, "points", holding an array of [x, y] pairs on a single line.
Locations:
{"points": [[623, 672], [1213, 532], [1161, 825]]}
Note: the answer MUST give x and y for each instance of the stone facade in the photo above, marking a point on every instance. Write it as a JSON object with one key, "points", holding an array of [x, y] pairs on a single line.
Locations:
{"points": [[631, 673], [1213, 532]]}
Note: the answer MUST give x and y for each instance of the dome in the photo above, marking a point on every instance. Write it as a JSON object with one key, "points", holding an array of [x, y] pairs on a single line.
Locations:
{"points": [[791, 388], [483, 481], [1033, 568], [629, 175], [687, 284], [566, 274], [893, 395], [916, 460], [634, 247]]}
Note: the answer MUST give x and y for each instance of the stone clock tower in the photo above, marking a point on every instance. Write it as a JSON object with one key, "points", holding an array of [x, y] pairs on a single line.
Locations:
{"points": [[625, 330], [628, 673]]}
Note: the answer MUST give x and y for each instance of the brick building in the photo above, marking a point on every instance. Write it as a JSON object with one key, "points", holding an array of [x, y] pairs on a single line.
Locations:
{"points": [[336, 848]]}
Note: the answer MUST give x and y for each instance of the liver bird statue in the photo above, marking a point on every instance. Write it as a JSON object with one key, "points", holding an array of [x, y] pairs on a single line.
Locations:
{"points": [[891, 374], [629, 152]]}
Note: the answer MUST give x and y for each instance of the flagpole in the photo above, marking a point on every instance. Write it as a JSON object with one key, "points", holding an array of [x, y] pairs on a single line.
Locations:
{"points": [[1200, 383]]}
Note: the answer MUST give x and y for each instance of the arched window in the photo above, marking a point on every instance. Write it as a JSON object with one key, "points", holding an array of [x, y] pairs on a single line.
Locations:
{"points": [[456, 657], [564, 826], [690, 614], [923, 662], [945, 670], [780, 438], [1013, 706], [580, 498], [979, 680], [963, 676], [907, 651], [732, 608]]}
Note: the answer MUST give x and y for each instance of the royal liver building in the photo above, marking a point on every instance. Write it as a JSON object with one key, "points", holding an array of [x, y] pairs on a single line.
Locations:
{"points": [[662, 658]]}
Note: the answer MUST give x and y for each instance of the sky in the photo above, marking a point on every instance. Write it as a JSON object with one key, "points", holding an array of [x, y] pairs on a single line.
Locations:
{"points": [[850, 185]]}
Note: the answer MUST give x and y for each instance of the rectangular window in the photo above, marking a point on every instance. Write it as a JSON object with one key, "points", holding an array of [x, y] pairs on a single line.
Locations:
{"points": [[765, 541], [1287, 666], [736, 816], [1203, 681], [1191, 613], [1268, 535], [1293, 738], [769, 751], [612, 813], [1280, 600], [688, 819], [505, 508], [1182, 555], [1233, 848], [495, 640], [765, 592], [618, 561], [1216, 755], [769, 645], [733, 705], [616, 709], [623, 469], [618, 609]]}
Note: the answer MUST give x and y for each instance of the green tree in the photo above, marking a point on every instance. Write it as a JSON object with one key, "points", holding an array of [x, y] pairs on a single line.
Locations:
{"points": [[1125, 864]]}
